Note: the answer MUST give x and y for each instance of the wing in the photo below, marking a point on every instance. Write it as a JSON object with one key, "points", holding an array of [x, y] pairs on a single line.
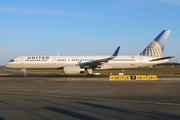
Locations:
{"points": [[97, 63], [162, 58]]}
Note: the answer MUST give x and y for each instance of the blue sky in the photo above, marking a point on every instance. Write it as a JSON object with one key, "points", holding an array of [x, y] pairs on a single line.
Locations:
{"points": [[83, 27]]}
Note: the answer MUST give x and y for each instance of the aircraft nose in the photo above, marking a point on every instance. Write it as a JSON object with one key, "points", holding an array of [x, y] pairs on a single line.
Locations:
{"points": [[7, 65]]}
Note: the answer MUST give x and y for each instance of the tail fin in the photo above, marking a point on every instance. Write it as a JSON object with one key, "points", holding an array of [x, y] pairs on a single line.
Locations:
{"points": [[156, 47]]}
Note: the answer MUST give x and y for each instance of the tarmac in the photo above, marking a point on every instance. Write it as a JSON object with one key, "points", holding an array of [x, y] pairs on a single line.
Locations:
{"points": [[39, 97]]}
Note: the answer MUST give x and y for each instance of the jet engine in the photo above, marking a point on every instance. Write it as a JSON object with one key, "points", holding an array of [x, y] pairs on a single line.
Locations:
{"points": [[72, 69]]}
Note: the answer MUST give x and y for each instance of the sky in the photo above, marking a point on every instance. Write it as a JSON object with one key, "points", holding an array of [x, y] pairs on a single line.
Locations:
{"points": [[86, 27]]}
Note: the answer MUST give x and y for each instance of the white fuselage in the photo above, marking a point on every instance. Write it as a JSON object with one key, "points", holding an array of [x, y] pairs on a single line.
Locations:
{"points": [[45, 61]]}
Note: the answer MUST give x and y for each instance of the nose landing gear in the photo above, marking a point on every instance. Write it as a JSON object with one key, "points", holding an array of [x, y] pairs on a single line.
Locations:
{"points": [[24, 72]]}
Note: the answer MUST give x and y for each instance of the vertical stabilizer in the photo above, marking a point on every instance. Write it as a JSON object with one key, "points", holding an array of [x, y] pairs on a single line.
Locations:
{"points": [[156, 47]]}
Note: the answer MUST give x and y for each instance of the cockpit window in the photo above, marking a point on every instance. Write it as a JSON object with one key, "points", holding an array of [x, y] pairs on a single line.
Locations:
{"points": [[12, 60]]}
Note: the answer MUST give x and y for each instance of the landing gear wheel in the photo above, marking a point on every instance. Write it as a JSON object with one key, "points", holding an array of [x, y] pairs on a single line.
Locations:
{"points": [[24, 72], [90, 75]]}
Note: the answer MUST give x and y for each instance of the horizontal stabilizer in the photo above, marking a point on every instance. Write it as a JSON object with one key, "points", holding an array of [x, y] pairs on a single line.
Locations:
{"points": [[162, 58]]}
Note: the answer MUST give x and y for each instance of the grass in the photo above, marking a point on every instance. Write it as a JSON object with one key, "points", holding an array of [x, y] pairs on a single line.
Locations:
{"points": [[138, 71]]}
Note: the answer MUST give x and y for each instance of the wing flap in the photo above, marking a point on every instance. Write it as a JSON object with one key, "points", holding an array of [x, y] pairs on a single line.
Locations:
{"points": [[96, 63]]}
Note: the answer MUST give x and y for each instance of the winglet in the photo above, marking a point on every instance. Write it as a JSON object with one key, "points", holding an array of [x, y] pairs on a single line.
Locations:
{"points": [[115, 53]]}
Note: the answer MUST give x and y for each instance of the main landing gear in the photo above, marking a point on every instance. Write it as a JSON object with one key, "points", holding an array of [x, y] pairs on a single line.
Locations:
{"points": [[90, 73]]}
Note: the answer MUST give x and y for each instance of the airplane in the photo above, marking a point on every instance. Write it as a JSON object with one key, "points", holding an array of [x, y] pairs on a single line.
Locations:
{"points": [[151, 55]]}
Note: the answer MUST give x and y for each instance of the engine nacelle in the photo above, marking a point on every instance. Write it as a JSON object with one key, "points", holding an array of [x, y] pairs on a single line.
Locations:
{"points": [[72, 69]]}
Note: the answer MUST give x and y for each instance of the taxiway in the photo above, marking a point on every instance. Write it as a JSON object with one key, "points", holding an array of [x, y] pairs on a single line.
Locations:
{"points": [[38, 99]]}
